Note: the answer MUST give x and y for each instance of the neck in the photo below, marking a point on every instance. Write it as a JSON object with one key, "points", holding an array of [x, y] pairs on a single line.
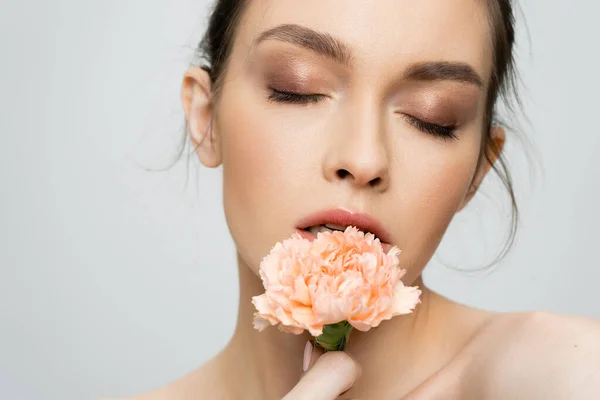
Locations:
{"points": [[385, 354]]}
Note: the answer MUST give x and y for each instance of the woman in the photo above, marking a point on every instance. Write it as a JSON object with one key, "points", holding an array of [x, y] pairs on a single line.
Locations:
{"points": [[379, 115]]}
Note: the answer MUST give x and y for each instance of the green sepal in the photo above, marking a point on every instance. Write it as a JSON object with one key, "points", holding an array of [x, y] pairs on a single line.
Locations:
{"points": [[334, 336]]}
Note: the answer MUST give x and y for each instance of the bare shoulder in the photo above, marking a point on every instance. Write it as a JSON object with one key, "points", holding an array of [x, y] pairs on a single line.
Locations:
{"points": [[541, 335], [543, 353], [543, 327], [199, 382]]}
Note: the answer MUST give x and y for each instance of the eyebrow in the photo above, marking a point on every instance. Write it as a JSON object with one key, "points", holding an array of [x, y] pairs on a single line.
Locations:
{"points": [[321, 43], [444, 70], [328, 46]]}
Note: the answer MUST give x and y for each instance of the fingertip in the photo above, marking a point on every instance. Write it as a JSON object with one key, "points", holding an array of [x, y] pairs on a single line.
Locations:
{"points": [[329, 374], [343, 365], [306, 360], [312, 352]]}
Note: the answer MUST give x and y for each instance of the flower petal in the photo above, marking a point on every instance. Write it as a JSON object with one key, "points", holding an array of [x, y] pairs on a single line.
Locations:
{"points": [[406, 299]]}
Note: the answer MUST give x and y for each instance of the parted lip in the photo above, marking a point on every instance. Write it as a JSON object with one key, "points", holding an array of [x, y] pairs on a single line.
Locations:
{"points": [[344, 217]]}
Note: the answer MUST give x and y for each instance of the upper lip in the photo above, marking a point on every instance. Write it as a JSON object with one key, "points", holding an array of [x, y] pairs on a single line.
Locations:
{"points": [[344, 217]]}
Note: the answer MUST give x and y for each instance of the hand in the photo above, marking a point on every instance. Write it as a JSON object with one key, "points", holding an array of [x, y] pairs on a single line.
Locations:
{"points": [[326, 375]]}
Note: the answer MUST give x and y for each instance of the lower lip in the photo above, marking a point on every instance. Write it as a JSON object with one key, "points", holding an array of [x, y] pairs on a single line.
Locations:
{"points": [[306, 235], [310, 237]]}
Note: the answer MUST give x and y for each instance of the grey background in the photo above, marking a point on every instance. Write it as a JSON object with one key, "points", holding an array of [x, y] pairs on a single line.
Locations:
{"points": [[115, 280]]}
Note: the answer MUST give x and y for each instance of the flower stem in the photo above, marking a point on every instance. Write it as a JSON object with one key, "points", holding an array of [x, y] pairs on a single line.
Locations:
{"points": [[334, 336]]}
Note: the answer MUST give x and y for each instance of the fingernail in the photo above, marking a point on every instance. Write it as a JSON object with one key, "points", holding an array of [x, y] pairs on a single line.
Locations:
{"points": [[307, 354]]}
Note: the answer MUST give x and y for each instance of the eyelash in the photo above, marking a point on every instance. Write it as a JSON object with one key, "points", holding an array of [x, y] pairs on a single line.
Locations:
{"points": [[281, 96], [446, 132]]}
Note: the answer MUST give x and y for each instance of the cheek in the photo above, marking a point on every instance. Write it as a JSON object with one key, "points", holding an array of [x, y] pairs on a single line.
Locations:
{"points": [[249, 185], [432, 189], [263, 161], [265, 170]]}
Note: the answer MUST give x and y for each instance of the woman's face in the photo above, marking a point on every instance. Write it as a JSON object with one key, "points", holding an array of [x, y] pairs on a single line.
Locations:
{"points": [[373, 107]]}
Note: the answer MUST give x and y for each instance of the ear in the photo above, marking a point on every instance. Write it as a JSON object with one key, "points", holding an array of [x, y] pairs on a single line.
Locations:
{"points": [[196, 96], [494, 149]]}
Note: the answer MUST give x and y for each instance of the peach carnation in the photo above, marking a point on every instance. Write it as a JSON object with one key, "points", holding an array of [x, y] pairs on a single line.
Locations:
{"points": [[339, 277]]}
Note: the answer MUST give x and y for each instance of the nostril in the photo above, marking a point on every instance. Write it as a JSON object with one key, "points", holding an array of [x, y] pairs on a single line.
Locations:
{"points": [[375, 182], [342, 173]]}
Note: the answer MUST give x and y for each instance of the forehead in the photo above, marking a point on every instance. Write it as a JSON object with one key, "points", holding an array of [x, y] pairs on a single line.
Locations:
{"points": [[384, 33]]}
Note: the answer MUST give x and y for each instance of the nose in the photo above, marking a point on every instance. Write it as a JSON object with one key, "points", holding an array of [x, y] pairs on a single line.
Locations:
{"points": [[357, 152]]}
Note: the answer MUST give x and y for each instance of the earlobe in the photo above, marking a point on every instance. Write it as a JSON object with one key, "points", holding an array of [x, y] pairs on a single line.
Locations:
{"points": [[493, 151], [196, 97]]}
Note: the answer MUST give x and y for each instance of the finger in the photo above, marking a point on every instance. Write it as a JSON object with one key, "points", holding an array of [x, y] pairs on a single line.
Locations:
{"points": [[332, 374], [312, 353]]}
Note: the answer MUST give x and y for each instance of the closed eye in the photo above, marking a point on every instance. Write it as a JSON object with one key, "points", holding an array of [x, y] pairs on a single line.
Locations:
{"points": [[446, 132], [282, 96]]}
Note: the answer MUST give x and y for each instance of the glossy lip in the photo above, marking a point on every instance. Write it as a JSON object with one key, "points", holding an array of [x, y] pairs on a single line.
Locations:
{"points": [[344, 217]]}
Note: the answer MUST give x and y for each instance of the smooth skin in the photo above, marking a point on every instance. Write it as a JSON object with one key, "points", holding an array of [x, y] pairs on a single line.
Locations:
{"points": [[359, 143], [327, 376]]}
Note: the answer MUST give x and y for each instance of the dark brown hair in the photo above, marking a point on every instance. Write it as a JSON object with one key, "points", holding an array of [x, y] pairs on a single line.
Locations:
{"points": [[215, 48]]}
